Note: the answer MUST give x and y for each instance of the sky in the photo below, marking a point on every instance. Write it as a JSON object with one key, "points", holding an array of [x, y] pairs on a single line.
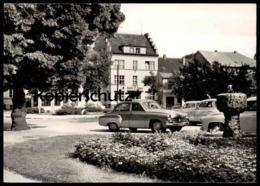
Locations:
{"points": [[181, 29]]}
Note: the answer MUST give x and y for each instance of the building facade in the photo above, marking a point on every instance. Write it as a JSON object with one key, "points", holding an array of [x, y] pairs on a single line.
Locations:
{"points": [[167, 68], [133, 58]]}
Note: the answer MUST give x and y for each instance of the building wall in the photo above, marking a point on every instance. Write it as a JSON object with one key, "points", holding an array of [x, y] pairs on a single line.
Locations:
{"points": [[129, 72]]}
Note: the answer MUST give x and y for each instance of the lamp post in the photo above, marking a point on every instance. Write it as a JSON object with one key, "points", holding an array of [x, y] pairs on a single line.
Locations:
{"points": [[117, 85]]}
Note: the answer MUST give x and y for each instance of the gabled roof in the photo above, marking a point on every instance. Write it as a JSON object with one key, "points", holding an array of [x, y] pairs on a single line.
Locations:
{"points": [[169, 65], [233, 59], [120, 40]]}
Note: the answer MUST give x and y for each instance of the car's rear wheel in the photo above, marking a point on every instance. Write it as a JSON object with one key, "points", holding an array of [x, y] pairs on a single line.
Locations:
{"points": [[113, 127], [157, 127], [133, 129]]}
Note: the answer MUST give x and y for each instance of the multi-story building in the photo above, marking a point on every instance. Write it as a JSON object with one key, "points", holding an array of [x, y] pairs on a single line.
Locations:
{"points": [[133, 58], [167, 68]]}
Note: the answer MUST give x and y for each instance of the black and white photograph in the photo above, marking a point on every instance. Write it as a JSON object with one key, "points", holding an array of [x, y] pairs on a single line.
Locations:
{"points": [[129, 92]]}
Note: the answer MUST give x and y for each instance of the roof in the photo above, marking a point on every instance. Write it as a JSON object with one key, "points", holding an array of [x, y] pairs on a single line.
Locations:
{"points": [[169, 65], [120, 40], [233, 59]]}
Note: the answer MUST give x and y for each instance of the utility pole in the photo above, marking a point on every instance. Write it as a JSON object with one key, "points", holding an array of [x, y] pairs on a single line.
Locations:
{"points": [[117, 83]]}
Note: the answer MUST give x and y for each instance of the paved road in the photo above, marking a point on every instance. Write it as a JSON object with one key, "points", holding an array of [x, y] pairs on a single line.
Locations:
{"points": [[48, 125]]}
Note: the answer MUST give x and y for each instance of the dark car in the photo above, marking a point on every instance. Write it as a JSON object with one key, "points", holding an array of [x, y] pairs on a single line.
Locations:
{"points": [[143, 114]]}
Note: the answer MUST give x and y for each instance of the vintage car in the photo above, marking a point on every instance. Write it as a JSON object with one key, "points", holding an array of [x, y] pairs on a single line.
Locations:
{"points": [[188, 105], [247, 119], [205, 107], [140, 113]]}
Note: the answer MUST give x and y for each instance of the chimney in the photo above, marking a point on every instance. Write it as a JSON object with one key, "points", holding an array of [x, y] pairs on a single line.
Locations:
{"points": [[164, 57]]}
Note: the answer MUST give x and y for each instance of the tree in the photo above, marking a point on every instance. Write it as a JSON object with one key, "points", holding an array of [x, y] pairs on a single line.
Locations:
{"points": [[198, 80], [96, 72], [154, 84], [46, 46]]}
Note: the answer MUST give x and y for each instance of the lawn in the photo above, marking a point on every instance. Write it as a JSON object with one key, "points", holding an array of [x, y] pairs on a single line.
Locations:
{"points": [[49, 160]]}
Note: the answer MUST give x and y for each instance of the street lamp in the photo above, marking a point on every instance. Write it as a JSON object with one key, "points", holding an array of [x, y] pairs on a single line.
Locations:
{"points": [[117, 81]]}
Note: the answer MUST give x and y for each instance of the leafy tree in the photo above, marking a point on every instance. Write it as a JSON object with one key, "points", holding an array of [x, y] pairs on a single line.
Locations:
{"points": [[198, 80], [96, 72], [46, 46], [154, 84]]}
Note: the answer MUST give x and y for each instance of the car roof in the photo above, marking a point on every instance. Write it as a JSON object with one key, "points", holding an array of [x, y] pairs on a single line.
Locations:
{"points": [[251, 98], [138, 101], [210, 99], [193, 102]]}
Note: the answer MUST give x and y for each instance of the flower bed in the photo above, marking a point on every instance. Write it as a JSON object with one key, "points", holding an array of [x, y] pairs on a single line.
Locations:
{"points": [[172, 157]]}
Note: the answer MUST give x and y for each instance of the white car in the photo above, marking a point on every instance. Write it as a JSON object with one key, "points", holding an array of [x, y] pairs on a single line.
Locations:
{"points": [[216, 121]]}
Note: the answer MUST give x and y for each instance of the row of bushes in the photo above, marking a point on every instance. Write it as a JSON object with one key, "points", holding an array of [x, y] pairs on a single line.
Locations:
{"points": [[34, 110], [71, 109], [173, 157]]}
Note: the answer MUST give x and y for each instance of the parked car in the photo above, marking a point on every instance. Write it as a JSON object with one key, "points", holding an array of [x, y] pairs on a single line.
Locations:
{"points": [[142, 113], [188, 105], [247, 119], [205, 107]]}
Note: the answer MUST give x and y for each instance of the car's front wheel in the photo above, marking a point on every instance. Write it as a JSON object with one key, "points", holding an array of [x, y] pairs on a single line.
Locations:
{"points": [[113, 127], [158, 127]]}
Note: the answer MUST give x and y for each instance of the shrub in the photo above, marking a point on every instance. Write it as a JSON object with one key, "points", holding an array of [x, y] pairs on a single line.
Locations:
{"points": [[172, 157], [94, 107], [69, 111], [33, 110]]}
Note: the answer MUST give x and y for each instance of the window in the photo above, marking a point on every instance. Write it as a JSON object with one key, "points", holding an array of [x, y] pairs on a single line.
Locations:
{"points": [[10, 93], [121, 64], [123, 107], [251, 106], [45, 101], [137, 107], [135, 64], [207, 104], [121, 79], [134, 80], [132, 50], [149, 65], [138, 50]]}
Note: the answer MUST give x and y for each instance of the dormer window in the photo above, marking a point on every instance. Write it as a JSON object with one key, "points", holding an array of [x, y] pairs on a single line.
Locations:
{"points": [[132, 50]]}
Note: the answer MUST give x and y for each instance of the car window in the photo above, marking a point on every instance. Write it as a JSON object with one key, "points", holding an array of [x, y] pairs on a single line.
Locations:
{"points": [[123, 107], [251, 106], [137, 107], [206, 104], [151, 105], [189, 105]]}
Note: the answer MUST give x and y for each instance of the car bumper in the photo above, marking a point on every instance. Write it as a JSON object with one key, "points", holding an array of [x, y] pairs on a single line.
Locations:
{"points": [[180, 124]]}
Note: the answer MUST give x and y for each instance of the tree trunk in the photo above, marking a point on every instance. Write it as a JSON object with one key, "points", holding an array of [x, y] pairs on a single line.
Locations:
{"points": [[18, 114], [232, 126]]}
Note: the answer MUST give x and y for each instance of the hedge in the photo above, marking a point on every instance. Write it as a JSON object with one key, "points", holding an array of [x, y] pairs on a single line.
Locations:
{"points": [[33, 110], [173, 157]]}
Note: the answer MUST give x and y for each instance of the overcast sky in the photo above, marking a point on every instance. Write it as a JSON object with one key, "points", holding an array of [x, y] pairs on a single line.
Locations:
{"points": [[180, 29]]}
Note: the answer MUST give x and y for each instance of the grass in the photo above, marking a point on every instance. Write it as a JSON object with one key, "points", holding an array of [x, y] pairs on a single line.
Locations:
{"points": [[49, 160]]}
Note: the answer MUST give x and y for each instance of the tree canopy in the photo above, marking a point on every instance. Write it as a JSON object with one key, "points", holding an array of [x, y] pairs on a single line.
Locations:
{"points": [[198, 81], [46, 45], [153, 82]]}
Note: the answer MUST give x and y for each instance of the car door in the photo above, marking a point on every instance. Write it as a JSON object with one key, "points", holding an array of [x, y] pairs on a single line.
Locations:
{"points": [[123, 110], [248, 118], [138, 116], [204, 109]]}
